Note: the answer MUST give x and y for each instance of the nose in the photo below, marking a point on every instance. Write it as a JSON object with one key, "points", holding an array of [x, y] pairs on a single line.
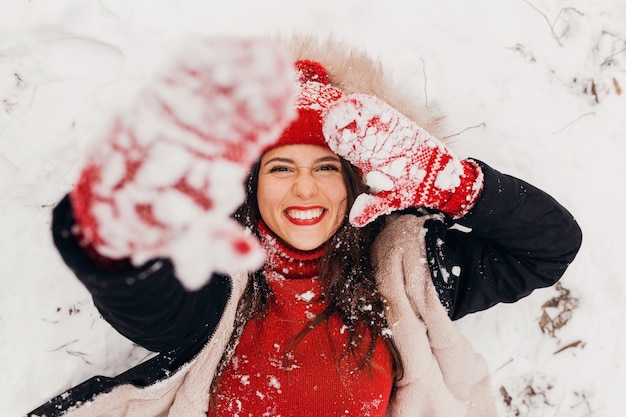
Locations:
{"points": [[305, 186]]}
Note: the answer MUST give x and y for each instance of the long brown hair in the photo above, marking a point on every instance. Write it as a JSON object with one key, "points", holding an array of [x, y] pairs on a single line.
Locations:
{"points": [[346, 269]]}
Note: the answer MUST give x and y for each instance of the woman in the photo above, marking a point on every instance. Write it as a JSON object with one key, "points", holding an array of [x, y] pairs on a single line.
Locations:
{"points": [[350, 312]]}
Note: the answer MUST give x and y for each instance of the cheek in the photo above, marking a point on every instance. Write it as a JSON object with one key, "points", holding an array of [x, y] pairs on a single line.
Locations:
{"points": [[342, 211], [264, 198], [270, 198], [339, 197]]}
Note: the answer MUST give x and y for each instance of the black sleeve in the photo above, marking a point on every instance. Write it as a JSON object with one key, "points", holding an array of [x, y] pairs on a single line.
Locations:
{"points": [[520, 239], [148, 305]]}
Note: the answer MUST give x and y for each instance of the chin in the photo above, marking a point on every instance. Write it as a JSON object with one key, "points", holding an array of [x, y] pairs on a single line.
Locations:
{"points": [[306, 247]]}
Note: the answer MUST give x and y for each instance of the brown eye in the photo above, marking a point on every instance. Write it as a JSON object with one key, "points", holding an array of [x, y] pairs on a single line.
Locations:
{"points": [[279, 168], [329, 167]]}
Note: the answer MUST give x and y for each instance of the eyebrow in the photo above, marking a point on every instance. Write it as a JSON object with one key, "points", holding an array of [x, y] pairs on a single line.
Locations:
{"points": [[291, 161]]}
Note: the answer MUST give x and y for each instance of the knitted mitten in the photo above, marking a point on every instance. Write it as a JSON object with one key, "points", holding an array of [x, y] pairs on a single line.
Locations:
{"points": [[168, 172], [402, 163]]}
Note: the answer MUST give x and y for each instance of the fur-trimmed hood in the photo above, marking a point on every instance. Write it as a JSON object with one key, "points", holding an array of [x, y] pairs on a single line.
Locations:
{"points": [[353, 71]]}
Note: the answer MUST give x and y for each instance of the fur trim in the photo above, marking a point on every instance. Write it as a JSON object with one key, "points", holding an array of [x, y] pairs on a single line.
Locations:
{"points": [[354, 71], [442, 376]]}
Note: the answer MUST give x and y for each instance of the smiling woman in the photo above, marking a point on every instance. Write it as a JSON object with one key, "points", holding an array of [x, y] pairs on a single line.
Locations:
{"points": [[353, 205], [301, 194]]}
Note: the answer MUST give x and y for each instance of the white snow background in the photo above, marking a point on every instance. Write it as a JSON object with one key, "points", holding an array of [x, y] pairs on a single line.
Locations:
{"points": [[532, 87]]}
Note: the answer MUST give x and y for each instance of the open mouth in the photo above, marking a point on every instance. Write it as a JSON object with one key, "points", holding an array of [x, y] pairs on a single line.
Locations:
{"points": [[309, 214], [305, 216]]}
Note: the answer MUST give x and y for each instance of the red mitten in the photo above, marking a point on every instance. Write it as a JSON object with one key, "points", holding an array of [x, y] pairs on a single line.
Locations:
{"points": [[169, 171], [402, 163]]}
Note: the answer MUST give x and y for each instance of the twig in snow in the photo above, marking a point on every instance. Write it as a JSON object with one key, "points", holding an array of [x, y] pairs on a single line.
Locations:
{"points": [[558, 407], [573, 121], [482, 124], [506, 397], [62, 346], [561, 306], [108, 11], [505, 364], [564, 9], [425, 81], [569, 345], [618, 88], [609, 58], [523, 52], [592, 412], [556, 37], [585, 401], [19, 81], [80, 355], [594, 91]]}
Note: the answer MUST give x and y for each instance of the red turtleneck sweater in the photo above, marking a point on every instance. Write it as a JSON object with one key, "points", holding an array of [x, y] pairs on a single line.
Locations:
{"points": [[261, 381]]}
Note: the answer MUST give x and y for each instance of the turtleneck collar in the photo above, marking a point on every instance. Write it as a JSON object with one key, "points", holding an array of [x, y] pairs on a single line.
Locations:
{"points": [[286, 260]]}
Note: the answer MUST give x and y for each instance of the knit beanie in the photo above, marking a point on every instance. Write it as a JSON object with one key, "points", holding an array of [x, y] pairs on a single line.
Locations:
{"points": [[314, 96]]}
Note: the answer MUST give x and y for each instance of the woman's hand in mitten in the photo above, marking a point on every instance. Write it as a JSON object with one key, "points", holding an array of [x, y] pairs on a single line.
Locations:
{"points": [[402, 163], [169, 171]]}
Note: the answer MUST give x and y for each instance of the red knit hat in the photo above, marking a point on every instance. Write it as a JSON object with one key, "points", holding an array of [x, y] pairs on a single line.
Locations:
{"points": [[314, 96]]}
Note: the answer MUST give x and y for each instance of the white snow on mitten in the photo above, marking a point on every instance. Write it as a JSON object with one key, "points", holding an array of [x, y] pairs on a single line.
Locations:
{"points": [[402, 163], [169, 173]]}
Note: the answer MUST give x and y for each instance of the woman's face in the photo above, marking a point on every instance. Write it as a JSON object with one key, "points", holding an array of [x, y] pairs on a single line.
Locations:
{"points": [[301, 194]]}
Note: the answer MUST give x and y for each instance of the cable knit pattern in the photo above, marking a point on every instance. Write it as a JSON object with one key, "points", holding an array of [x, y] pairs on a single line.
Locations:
{"points": [[268, 376], [289, 262]]}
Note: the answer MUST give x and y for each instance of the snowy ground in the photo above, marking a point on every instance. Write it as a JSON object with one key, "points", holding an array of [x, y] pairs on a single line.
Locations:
{"points": [[533, 87]]}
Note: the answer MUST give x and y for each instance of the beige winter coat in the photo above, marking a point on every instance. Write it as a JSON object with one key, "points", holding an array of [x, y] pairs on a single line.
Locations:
{"points": [[443, 377]]}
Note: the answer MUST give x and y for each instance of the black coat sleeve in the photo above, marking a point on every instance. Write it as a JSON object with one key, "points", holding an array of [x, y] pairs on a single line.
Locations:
{"points": [[148, 305], [520, 239]]}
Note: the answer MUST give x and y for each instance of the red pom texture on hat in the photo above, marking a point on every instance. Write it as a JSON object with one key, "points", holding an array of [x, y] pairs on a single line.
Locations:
{"points": [[168, 172], [403, 164], [309, 70], [314, 97], [316, 93]]}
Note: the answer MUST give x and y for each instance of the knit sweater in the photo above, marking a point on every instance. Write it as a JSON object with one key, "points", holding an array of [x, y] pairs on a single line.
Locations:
{"points": [[267, 376]]}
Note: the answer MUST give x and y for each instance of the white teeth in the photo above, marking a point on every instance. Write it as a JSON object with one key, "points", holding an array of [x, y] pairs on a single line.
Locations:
{"points": [[305, 214]]}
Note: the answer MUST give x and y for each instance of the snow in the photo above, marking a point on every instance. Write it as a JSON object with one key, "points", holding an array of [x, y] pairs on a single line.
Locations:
{"points": [[306, 296], [532, 87]]}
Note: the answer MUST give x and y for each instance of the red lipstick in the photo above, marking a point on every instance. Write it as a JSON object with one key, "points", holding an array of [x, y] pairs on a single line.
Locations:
{"points": [[304, 216]]}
